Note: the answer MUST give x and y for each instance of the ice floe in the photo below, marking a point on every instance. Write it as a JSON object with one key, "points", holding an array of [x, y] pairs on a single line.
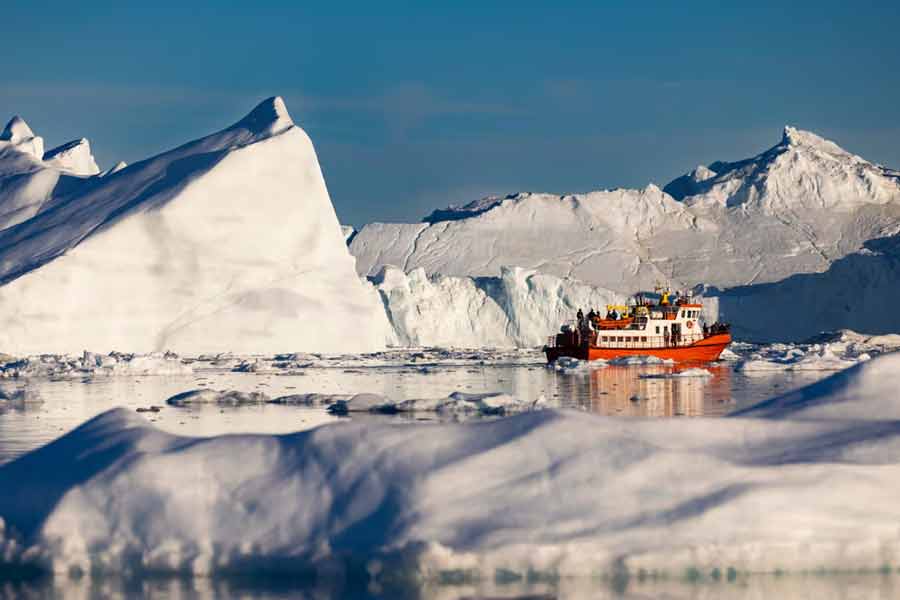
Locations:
{"points": [[90, 364], [692, 372]]}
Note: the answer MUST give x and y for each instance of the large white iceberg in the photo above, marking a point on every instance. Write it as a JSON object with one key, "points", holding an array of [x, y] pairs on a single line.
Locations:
{"points": [[547, 491], [795, 208], [227, 243]]}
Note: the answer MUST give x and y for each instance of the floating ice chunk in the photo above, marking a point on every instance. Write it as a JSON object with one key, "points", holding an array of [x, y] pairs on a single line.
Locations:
{"points": [[18, 398], [490, 403], [311, 399], [789, 357], [363, 403], [729, 356], [569, 365], [91, 364], [223, 397], [694, 372], [641, 359]]}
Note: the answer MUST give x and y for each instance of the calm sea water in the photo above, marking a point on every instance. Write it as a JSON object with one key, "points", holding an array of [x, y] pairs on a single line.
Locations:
{"points": [[754, 587], [619, 391]]}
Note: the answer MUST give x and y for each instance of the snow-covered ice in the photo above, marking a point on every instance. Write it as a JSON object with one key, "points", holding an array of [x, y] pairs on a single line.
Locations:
{"points": [[518, 308], [226, 397], [845, 349], [559, 492], [91, 364], [866, 391], [795, 208], [233, 233], [692, 372], [799, 238], [641, 359], [569, 365], [487, 404]]}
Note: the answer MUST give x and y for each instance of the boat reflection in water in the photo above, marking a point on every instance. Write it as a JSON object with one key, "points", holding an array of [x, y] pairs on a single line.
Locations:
{"points": [[653, 391]]}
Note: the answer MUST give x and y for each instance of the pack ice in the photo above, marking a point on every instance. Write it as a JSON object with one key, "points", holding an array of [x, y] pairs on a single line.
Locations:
{"points": [[227, 243], [795, 208], [811, 486]]}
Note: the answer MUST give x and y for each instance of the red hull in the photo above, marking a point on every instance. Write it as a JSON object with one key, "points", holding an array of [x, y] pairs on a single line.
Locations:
{"points": [[706, 350]]}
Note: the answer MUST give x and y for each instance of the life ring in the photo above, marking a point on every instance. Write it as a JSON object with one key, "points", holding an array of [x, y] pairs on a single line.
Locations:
{"points": [[690, 324]]}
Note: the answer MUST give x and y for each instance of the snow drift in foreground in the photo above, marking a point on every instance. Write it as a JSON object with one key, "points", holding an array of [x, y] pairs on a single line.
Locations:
{"points": [[520, 308], [227, 243], [545, 491], [866, 391]]}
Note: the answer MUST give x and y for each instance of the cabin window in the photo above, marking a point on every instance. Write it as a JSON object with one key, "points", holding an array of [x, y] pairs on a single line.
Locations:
{"points": [[605, 338], [643, 338], [657, 330], [621, 339]]}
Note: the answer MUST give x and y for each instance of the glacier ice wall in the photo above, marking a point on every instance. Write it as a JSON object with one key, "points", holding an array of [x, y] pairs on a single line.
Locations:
{"points": [[519, 308]]}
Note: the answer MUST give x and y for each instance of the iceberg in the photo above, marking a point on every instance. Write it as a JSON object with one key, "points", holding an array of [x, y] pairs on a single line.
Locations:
{"points": [[804, 223], [520, 308], [227, 243]]}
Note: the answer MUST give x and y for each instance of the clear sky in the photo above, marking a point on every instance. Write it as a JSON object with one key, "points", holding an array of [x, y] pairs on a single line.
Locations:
{"points": [[413, 106]]}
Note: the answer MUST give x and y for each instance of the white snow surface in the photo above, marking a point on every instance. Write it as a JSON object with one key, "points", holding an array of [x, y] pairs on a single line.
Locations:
{"points": [[560, 492], [74, 157], [227, 243], [795, 208], [520, 308], [866, 392]]}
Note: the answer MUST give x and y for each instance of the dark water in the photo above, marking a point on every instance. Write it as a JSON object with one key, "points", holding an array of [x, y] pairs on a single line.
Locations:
{"points": [[753, 587]]}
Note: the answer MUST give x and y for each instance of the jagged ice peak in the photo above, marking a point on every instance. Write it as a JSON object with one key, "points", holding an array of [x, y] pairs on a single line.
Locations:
{"points": [[269, 117], [16, 130]]}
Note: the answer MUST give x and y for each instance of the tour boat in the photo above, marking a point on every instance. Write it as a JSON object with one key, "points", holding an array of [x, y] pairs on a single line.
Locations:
{"points": [[668, 330]]}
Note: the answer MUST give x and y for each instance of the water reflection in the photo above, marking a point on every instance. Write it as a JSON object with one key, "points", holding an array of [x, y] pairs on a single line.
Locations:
{"points": [[659, 391], [55, 407], [788, 587]]}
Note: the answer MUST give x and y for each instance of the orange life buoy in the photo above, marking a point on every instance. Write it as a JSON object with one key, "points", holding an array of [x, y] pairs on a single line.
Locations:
{"points": [[690, 324]]}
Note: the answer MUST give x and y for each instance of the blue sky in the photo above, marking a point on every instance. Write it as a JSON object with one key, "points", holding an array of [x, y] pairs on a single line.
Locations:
{"points": [[413, 106]]}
